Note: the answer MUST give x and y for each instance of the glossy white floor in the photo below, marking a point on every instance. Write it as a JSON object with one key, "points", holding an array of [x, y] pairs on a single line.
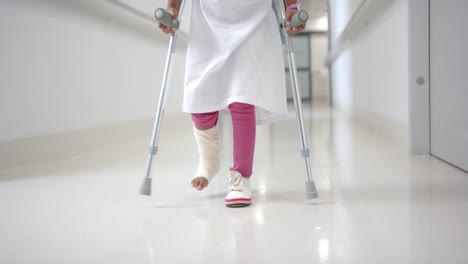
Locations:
{"points": [[377, 203]]}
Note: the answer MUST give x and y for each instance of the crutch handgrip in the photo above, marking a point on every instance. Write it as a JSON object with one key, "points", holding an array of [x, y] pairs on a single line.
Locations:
{"points": [[165, 18], [299, 18]]}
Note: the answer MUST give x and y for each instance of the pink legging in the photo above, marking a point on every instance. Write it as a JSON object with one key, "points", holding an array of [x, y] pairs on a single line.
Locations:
{"points": [[244, 129]]}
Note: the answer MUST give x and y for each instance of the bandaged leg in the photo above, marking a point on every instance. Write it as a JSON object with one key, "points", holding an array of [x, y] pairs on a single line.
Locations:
{"points": [[206, 136], [208, 150]]}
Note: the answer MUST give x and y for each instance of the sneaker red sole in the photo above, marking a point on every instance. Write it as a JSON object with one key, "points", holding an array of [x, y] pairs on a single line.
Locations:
{"points": [[239, 202]]}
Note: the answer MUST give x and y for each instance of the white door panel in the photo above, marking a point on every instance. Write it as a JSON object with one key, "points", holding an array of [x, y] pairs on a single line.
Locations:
{"points": [[449, 81]]}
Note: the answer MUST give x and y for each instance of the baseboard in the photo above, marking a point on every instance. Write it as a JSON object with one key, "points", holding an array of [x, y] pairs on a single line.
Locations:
{"points": [[61, 145], [396, 131]]}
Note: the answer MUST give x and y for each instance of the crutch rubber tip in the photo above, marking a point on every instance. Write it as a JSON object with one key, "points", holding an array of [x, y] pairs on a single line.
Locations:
{"points": [[311, 190], [145, 188]]}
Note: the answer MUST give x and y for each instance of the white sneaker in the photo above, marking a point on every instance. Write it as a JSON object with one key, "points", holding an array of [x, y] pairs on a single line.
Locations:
{"points": [[240, 194]]}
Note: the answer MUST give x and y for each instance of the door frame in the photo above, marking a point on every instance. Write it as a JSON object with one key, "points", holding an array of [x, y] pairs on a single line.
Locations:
{"points": [[419, 76]]}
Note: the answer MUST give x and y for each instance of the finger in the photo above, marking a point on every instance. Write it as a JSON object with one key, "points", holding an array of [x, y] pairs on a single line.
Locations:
{"points": [[295, 31], [289, 14], [292, 31], [163, 27], [166, 29]]}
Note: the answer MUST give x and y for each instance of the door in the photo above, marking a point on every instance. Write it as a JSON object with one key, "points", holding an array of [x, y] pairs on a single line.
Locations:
{"points": [[319, 52], [449, 81]]}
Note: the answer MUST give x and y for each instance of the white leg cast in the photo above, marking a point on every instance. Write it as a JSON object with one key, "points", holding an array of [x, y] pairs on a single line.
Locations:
{"points": [[208, 150]]}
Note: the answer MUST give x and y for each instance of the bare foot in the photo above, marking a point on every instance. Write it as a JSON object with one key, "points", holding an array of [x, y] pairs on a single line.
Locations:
{"points": [[199, 183]]}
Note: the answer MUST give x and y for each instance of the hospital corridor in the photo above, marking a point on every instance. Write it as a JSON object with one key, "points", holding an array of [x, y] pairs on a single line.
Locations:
{"points": [[381, 90]]}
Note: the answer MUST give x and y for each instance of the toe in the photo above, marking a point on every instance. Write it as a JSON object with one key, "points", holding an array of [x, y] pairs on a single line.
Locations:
{"points": [[202, 185], [199, 183]]}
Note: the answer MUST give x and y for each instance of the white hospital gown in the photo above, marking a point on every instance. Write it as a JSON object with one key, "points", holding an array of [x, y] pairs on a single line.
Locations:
{"points": [[235, 55]]}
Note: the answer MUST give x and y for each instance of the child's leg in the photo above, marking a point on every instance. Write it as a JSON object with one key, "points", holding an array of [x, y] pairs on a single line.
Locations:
{"points": [[244, 129], [206, 136], [205, 121]]}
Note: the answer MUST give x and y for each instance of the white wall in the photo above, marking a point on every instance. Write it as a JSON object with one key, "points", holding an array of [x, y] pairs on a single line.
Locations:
{"points": [[317, 23], [77, 64], [370, 78]]}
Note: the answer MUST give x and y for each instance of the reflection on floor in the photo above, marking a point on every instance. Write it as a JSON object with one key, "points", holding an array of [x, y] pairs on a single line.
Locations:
{"points": [[377, 203]]}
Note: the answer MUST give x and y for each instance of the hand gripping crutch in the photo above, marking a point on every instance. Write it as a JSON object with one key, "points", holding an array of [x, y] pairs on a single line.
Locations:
{"points": [[299, 18], [166, 19]]}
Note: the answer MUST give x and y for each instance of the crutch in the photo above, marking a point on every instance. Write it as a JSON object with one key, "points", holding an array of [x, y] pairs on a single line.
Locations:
{"points": [[166, 19], [299, 18]]}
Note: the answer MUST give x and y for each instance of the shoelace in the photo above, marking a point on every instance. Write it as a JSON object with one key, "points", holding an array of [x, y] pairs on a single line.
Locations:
{"points": [[235, 181]]}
